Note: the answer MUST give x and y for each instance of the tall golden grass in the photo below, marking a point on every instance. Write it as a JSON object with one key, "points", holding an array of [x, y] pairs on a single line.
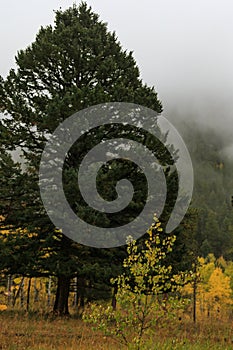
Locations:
{"points": [[32, 331]]}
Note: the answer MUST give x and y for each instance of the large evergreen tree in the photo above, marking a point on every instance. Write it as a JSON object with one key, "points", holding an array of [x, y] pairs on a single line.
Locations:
{"points": [[74, 64]]}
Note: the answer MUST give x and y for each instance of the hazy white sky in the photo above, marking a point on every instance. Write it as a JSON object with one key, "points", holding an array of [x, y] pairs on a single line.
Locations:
{"points": [[183, 47]]}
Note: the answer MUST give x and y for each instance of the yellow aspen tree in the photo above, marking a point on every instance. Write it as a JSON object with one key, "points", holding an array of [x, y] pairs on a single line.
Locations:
{"points": [[145, 295], [229, 272], [219, 296], [204, 269], [207, 267]]}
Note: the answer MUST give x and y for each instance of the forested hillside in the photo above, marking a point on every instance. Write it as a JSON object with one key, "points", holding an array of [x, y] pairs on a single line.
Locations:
{"points": [[209, 148]]}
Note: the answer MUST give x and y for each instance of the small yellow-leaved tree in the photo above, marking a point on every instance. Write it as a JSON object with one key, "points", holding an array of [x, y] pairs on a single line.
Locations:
{"points": [[144, 292]]}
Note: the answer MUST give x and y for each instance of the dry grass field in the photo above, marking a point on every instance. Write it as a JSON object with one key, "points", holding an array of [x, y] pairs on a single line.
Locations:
{"points": [[23, 331]]}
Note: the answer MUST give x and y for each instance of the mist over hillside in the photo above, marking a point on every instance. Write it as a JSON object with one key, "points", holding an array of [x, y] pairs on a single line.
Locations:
{"points": [[208, 133]]}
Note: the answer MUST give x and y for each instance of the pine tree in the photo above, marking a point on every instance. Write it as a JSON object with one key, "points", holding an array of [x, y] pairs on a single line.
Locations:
{"points": [[74, 64]]}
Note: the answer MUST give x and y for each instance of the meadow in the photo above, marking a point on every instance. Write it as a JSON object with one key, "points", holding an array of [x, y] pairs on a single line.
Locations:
{"points": [[34, 331]]}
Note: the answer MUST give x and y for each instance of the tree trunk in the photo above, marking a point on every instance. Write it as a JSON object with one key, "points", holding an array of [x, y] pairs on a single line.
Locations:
{"points": [[49, 291], [9, 292], [75, 303], [195, 300], [36, 292], [28, 294], [18, 292], [81, 284], [114, 301], [61, 307], [21, 289]]}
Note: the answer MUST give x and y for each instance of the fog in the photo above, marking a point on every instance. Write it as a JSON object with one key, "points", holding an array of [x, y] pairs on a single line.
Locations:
{"points": [[183, 48]]}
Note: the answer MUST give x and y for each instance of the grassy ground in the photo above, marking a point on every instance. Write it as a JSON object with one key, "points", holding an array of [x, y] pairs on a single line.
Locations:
{"points": [[35, 332]]}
